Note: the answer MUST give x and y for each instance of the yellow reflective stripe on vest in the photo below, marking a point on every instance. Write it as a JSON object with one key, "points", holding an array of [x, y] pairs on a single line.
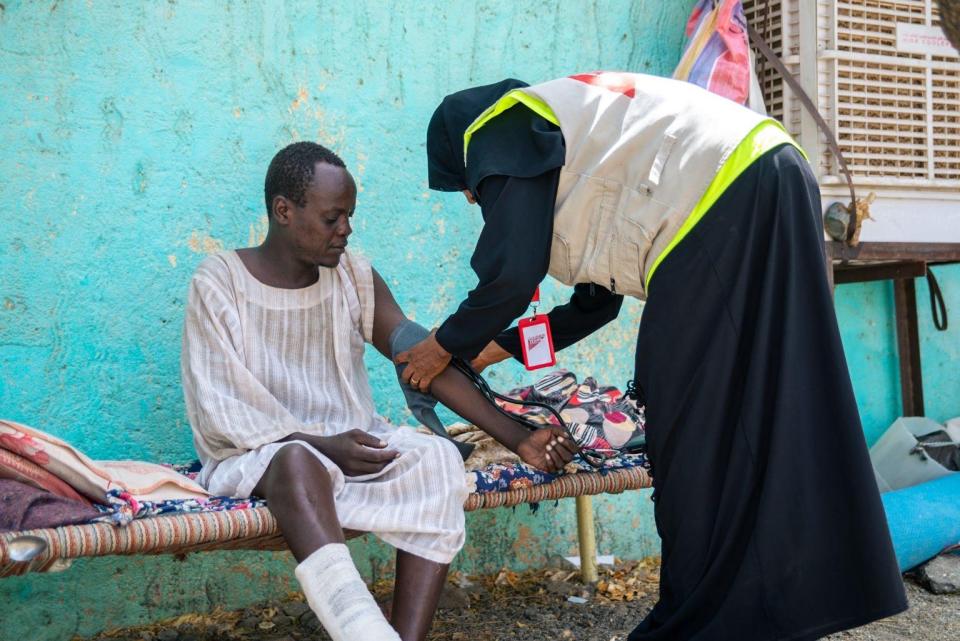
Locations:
{"points": [[508, 100], [764, 137]]}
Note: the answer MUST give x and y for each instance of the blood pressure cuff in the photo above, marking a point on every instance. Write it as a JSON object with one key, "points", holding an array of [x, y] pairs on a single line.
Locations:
{"points": [[404, 336]]}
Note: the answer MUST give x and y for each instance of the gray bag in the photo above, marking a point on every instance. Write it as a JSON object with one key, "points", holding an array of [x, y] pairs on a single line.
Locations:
{"points": [[901, 460]]}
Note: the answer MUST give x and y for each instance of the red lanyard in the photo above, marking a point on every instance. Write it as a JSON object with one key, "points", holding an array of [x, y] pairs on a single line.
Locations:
{"points": [[536, 340]]}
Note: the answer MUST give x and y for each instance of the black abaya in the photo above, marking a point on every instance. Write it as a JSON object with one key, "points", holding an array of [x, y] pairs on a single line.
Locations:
{"points": [[770, 518], [769, 515]]}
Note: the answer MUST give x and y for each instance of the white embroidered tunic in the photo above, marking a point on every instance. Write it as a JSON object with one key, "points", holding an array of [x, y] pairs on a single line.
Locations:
{"points": [[260, 363]]}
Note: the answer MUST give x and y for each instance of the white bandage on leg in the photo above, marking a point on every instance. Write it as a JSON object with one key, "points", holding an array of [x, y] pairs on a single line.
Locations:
{"points": [[340, 598]]}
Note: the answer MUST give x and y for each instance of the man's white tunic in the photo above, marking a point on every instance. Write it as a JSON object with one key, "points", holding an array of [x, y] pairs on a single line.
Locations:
{"points": [[260, 363]]}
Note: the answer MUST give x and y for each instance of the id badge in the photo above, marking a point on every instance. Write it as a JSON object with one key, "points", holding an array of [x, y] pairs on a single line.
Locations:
{"points": [[536, 341]]}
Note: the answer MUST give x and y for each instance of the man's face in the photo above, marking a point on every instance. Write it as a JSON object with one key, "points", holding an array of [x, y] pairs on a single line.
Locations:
{"points": [[319, 230]]}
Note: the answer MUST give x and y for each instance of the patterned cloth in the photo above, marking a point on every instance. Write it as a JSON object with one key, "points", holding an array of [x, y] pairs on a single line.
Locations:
{"points": [[25, 507], [602, 420], [499, 477], [717, 54], [124, 508], [40, 459]]}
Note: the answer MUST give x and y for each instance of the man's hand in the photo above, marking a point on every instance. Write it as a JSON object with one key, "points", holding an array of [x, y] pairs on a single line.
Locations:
{"points": [[491, 354], [548, 449], [425, 361], [355, 452]]}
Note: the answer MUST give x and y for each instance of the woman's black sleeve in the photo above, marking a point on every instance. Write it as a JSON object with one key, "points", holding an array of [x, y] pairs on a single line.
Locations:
{"points": [[590, 308], [510, 259]]}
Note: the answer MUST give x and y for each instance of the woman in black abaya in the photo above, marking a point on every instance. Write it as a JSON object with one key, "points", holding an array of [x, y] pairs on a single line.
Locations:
{"points": [[770, 519]]}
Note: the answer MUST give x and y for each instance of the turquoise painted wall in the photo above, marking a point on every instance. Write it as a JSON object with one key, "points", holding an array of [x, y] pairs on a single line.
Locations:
{"points": [[135, 138], [866, 315], [134, 141]]}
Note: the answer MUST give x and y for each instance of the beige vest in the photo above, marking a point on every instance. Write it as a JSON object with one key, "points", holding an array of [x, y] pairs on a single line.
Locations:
{"points": [[640, 152]]}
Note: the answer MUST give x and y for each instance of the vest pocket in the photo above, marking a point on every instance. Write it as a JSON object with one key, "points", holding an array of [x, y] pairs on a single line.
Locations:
{"points": [[627, 266], [560, 267], [645, 214]]}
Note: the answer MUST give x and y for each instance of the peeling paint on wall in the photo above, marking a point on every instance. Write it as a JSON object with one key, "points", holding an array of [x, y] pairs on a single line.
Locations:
{"points": [[301, 99], [258, 231], [201, 243]]}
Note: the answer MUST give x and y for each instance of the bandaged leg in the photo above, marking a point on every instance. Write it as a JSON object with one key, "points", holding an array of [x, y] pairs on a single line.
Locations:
{"points": [[340, 598], [404, 336]]}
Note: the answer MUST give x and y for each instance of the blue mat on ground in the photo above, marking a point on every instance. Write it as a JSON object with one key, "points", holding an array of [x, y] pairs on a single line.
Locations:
{"points": [[924, 519]]}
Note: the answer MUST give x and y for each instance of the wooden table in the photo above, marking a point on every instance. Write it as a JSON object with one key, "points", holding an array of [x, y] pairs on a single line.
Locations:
{"points": [[901, 263]]}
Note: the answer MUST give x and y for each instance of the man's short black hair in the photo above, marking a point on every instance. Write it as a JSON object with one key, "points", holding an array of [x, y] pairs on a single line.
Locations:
{"points": [[291, 171]]}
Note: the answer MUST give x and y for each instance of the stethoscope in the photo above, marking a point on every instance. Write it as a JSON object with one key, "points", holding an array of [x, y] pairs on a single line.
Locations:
{"points": [[595, 458]]}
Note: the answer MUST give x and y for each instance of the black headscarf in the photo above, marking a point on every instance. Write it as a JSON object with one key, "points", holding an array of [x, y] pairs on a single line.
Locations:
{"points": [[516, 143]]}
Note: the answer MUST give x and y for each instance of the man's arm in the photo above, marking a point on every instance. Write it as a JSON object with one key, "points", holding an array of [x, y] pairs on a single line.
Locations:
{"points": [[386, 315], [548, 449]]}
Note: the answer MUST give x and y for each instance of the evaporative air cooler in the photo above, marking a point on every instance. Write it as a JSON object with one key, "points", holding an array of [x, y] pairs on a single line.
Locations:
{"points": [[887, 81]]}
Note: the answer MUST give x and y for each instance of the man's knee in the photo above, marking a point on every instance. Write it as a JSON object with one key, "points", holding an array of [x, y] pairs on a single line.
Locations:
{"points": [[296, 472]]}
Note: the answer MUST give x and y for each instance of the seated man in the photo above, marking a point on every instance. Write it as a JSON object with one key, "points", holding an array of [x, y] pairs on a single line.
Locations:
{"points": [[280, 405]]}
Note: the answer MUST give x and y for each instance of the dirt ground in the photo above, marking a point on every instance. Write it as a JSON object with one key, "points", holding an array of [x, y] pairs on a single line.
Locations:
{"points": [[534, 605]]}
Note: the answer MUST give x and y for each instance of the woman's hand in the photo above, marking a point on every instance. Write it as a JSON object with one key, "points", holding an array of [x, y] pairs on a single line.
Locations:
{"points": [[425, 361], [355, 452], [548, 449], [491, 354]]}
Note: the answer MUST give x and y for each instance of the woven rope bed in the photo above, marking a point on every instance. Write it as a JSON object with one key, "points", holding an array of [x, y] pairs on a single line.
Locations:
{"points": [[255, 528]]}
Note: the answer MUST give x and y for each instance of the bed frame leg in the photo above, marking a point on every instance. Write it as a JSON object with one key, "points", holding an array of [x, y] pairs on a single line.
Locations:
{"points": [[586, 535]]}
